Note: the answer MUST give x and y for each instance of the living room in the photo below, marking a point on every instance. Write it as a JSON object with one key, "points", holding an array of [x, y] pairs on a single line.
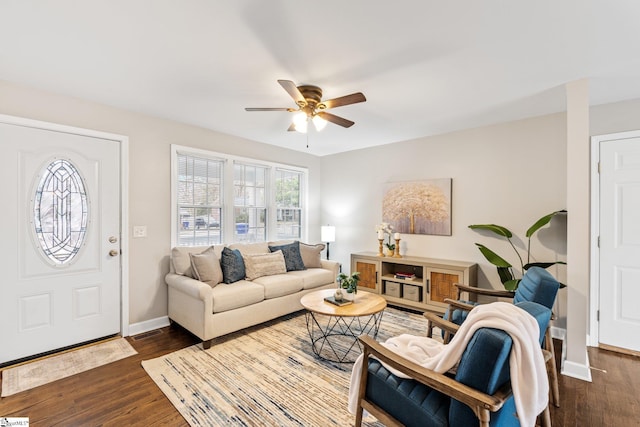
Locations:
{"points": [[508, 173]]}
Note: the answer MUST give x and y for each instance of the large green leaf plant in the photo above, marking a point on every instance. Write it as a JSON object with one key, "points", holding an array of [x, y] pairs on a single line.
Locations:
{"points": [[505, 269]]}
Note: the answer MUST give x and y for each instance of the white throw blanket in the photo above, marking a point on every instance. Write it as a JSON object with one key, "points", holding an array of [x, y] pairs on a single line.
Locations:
{"points": [[529, 380]]}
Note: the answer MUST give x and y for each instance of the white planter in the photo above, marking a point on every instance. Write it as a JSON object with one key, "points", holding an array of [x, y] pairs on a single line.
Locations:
{"points": [[349, 296]]}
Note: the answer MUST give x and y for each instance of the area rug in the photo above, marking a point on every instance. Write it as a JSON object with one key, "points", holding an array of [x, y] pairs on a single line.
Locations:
{"points": [[43, 371], [265, 376]]}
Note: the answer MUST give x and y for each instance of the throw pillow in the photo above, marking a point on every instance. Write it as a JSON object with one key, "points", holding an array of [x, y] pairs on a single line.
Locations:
{"points": [[206, 267], [258, 265], [292, 257], [232, 265], [311, 255]]}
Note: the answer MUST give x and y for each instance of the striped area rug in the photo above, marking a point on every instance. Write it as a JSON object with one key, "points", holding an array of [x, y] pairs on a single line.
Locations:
{"points": [[265, 376]]}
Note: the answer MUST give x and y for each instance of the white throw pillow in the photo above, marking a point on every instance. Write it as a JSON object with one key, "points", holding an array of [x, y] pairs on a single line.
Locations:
{"points": [[258, 265]]}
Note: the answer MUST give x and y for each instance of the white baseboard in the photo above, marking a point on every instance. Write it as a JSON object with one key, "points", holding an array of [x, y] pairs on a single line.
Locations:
{"points": [[148, 325], [576, 370], [558, 333]]}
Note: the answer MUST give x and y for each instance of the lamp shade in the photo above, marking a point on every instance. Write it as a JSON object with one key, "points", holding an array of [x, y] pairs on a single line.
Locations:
{"points": [[328, 233]]}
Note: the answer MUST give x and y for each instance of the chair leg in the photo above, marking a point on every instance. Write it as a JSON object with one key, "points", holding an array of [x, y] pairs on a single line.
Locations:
{"points": [[552, 372]]}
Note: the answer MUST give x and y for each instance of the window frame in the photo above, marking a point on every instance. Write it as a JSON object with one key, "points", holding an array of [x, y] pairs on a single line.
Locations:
{"points": [[227, 226]]}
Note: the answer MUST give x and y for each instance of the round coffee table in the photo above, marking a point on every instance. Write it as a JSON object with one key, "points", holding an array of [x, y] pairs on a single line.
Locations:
{"points": [[334, 330]]}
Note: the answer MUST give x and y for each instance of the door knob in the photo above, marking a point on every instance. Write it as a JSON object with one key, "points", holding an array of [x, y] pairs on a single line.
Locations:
{"points": [[114, 252]]}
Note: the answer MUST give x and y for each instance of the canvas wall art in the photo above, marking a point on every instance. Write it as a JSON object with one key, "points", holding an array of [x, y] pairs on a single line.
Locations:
{"points": [[418, 207]]}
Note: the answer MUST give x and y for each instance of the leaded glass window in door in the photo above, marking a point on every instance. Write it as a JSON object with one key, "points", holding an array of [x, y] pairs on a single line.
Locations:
{"points": [[60, 211]]}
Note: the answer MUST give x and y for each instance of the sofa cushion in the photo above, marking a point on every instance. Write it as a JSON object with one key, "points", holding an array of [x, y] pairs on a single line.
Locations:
{"points": [[236, 295], [206, 267], [251, 248], [314, 277], [258, 265], [279, 285], [311, 255], [292, 257], [232, 265], [181, 261]]}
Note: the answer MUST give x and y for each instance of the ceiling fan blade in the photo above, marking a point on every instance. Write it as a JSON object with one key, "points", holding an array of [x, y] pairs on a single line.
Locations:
{"points": [[293, 91], [354, 98], [292, 128], [336, 119], [270, 109]]}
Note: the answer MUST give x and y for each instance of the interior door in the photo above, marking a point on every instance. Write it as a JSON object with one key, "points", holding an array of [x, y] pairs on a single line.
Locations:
{"points": [[60, 224], [619, 296]]}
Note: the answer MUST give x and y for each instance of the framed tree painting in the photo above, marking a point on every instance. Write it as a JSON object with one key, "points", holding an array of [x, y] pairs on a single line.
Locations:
{"points": [[418, 207]]}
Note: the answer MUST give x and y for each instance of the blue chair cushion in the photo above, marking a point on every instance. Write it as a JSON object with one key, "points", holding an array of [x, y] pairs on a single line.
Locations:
{"points": [[537, 285], [410, 402]]}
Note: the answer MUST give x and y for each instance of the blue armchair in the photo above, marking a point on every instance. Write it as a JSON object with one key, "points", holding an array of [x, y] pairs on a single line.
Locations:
{"points": [[537, 285], [478, 393]]}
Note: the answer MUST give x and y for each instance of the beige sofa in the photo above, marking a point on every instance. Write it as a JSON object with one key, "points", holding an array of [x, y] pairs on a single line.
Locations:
{"points": [[209, 310]]}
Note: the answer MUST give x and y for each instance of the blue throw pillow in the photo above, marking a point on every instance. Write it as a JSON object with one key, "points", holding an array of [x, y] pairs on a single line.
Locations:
{"points": [[232, 265], [292, 257]]}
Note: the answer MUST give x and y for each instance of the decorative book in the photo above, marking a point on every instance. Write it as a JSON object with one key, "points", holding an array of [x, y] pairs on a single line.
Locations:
{"points": [[333, 301]]}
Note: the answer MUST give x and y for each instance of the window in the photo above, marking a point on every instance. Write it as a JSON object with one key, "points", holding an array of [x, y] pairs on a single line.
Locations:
{"points": [[218, 198], [249, 206], [288, 204], [60, 211], [199, 184]]}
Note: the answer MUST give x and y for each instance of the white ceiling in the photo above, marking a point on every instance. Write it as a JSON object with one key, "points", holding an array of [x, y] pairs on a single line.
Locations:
{"points": [[426, 67]]}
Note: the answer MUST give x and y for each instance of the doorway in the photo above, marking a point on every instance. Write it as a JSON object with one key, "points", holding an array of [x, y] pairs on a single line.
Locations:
{"points": [[62, 222], [615, 290]]}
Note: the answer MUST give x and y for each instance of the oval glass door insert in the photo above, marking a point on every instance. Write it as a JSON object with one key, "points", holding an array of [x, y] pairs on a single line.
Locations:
{"points": [[61, 211]]}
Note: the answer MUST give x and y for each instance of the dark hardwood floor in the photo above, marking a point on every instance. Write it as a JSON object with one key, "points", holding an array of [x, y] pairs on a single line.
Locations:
{"points": [[122, 394]]}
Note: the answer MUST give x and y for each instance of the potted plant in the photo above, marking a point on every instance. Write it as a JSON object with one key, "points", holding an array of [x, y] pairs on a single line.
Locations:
{"points": [[505, 269], [349, 284]]}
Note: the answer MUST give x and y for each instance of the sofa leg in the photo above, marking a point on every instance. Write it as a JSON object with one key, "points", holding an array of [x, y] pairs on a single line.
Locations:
{"points": [[207, 344]]}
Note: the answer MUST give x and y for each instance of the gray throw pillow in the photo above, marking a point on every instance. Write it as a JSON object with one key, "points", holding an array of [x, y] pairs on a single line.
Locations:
{"points": [[232, 265], [292, 257], [206, 267]]}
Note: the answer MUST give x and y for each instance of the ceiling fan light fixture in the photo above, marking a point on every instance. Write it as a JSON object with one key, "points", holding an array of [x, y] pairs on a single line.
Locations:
{"points": [[319, 123], [300, 122]]}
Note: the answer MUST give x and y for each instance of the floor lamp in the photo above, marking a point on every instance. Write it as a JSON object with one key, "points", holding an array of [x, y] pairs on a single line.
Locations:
{"points": [[328, 234]]}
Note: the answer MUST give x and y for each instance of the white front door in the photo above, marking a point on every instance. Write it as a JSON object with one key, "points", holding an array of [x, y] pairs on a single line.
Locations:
{"points": [[620, 242], [60, 245]]}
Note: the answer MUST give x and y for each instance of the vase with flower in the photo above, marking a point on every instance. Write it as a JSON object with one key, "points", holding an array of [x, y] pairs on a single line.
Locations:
{"points": [[386, 228]]}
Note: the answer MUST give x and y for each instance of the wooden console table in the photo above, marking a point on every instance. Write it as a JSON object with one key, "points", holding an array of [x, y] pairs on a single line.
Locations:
{"points": [[412, 282]]}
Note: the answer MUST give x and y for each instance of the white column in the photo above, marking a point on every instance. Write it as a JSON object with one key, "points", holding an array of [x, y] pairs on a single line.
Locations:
{"points": [[576, 362]]}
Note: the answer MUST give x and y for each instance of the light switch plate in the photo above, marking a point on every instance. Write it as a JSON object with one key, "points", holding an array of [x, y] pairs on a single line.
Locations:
{"points": [[139, 231]]}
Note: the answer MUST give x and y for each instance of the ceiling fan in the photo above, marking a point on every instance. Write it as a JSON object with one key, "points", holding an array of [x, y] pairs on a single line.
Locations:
{"points": [[308, 98]]}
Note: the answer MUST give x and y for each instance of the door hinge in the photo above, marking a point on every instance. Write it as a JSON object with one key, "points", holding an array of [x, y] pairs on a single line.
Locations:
{"points": [[599, 167], [598, 241], [598, 315]]}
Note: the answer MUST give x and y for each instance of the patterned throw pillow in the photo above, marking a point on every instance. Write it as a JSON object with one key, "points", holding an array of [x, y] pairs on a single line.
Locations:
{"points": [[206, 267], [292, 257], [232, 265], [311, 255], [258, 265]]}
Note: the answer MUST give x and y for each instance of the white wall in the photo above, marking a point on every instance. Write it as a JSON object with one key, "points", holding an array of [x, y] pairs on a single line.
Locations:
{"points": [[509, 174], [149, 169]]}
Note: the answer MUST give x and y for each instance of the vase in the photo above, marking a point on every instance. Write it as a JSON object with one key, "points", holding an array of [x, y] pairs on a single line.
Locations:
{"points": [[349, 296], [390, 252]]}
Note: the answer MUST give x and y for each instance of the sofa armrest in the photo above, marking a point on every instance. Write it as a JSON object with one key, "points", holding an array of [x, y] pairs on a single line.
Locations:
{"points": [[334, 266], [189, 286]]}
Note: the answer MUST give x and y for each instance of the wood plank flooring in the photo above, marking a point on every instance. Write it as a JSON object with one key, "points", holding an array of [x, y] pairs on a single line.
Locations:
{"points": [[122, 394]]}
